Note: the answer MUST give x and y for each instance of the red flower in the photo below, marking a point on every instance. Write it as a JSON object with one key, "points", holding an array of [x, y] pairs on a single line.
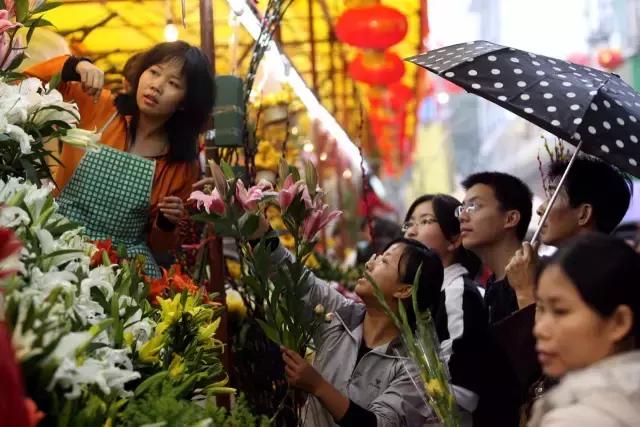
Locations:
{"points": [[104, 246], [13, 411], [9, 246]]}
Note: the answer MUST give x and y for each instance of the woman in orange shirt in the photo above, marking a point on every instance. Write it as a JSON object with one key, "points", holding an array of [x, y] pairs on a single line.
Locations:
{"points": [[133, 189]]}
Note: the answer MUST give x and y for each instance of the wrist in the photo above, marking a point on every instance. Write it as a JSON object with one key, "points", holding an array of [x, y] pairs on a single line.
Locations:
{"points": [[321, 389]]}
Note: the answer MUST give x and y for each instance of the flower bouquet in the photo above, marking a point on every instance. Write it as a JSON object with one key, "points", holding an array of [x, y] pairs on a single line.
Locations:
{"points": [[273, 292], [423, 346]]}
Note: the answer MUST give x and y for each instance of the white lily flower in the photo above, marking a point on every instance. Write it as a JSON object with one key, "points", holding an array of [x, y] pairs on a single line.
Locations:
{"points": [[141, 329], [101, 277], [11, 187], [23, 138], [14, 217], [68, 345], [36, 198], [47, 282], [89, 311]]}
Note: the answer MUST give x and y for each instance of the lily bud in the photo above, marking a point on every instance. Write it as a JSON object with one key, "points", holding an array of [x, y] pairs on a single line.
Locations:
{"points": [[82, 138], [219, 179], [319, 309], [311, 177]]}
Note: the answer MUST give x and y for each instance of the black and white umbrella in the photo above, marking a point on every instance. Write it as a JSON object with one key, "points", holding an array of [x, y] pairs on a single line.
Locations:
{"points": [[595, 111]]}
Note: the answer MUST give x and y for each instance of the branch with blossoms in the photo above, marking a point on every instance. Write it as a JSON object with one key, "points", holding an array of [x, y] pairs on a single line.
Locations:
{"points": [[275, 291]]}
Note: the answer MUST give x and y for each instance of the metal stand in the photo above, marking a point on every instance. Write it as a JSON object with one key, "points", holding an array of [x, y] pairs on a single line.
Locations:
{"points": [[536, 235]]}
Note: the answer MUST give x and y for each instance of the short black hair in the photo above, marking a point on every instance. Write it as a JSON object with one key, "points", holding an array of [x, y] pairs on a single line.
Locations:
{"points": [[605, 271], [383, 231], [444, 208], [184, 126], [599, 184], [414, 256], [511, 193]]}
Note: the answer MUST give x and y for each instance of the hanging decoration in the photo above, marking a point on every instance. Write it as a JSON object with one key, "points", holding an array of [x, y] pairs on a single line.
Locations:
{"points": [[376, 69], [610, 58], [372, 27]]}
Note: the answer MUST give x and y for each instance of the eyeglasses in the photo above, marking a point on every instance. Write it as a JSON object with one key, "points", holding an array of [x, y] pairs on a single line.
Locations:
{"points": [[421, 223], [468, 208]]}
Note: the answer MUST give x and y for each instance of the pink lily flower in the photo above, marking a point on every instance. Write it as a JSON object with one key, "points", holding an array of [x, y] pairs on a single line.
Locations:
{"points": [[318, 219], [248, 199], [288, 192], [5, 23], [211, 202], [306, 197]]}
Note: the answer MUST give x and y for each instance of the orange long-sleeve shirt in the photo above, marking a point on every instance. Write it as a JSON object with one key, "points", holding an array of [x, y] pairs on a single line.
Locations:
{"points": [[171, 178]]}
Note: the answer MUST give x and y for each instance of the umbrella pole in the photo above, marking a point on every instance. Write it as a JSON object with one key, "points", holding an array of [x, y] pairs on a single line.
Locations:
{"points": [[536, 235]]}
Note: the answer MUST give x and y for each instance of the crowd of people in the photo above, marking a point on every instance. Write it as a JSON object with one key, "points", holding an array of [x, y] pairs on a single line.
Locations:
{"points": [[545, 342]]}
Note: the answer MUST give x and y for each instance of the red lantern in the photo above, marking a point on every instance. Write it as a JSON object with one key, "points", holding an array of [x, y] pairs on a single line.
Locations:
{"points": [[610, 58], [396, 97], [377, 68], [372, 27]]}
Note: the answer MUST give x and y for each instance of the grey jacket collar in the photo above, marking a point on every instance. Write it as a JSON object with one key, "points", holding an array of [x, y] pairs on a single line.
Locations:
{"points": [[352, 320]]}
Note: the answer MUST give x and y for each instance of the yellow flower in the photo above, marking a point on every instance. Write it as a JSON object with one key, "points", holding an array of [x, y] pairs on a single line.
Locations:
{"points": [[149, 351], [435, 387], [312, 262], [176, 368], [128, 338], [277, 223], [233, 267], [235, 304], [206, 332], [193, 306], [287, 241], [273, 212], [171, 309]]}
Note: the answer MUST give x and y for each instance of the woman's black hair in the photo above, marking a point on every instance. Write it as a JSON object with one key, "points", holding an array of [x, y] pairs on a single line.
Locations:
{"points": [[414, 255], [605, 271], [184, 126], [444, 208]]}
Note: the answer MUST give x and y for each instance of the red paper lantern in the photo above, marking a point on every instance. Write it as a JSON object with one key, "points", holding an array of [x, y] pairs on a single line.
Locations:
{"points": [[372, 27], [610, 58], [376, 68], [396, 97]]}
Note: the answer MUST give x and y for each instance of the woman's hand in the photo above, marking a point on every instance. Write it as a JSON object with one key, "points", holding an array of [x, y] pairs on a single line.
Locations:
{"points": [[300, 373], [172, 208], [92, 79]]}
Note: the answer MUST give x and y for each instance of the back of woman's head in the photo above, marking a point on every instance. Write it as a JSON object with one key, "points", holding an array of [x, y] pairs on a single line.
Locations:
{"points": [[605, 272], [188, 121], [416, 256], [444, 209]]}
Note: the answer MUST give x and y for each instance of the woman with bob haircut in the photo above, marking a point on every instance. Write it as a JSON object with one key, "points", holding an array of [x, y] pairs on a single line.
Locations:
{"points": [[132, 189], [362, 375], [587, 329]]}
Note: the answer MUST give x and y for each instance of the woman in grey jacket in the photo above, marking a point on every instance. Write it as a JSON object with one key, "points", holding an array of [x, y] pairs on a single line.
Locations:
{"points": [[361, 375], [587, 330]]}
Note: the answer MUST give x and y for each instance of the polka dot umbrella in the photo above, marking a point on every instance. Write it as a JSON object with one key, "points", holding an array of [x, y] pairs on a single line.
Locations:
{"points": [[595, 111]]}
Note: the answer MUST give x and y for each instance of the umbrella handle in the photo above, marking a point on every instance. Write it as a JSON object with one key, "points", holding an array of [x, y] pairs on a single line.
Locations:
{"points": [[536, 235]]}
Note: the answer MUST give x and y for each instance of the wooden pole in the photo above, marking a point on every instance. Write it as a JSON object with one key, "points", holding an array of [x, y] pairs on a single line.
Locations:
{"points": [[216, 255]]}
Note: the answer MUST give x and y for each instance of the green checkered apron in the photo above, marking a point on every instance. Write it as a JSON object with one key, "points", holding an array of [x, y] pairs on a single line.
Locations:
{"points": [[109, 194]]}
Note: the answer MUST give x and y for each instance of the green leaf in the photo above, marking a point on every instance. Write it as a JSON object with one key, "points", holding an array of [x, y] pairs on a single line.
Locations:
{"points": [[30, 171], [55, 80], [48, 5], [249, 225], [22, 10], [150, 382], [61, 252], [3, 5], [31, 31], [227, 170], [269, 331], [17, 60]]}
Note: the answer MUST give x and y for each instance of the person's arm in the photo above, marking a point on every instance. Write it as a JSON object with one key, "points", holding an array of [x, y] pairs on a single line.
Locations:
{"points": [[166, 215], [345, 412], [317, 290], [79, 77], [521, 274]]}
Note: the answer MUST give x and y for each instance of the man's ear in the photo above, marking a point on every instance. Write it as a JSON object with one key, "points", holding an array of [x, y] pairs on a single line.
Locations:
{"points": [[585, 214], [513, 219]]}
